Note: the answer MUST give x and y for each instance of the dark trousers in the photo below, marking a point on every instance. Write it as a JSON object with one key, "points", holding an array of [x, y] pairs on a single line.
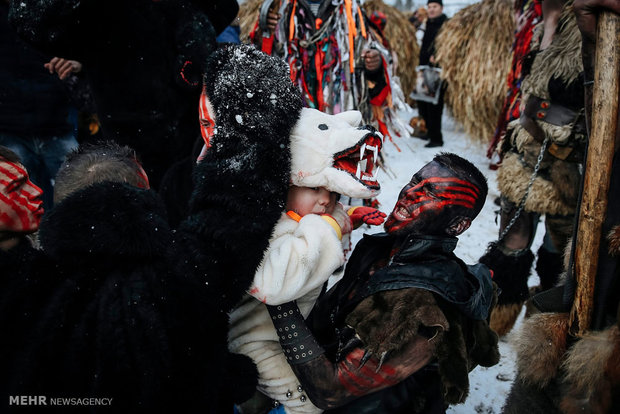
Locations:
{"points": [[432, 116]]}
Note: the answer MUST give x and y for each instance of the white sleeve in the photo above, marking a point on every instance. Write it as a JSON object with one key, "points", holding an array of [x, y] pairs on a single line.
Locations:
{"points": [[300, 257]]}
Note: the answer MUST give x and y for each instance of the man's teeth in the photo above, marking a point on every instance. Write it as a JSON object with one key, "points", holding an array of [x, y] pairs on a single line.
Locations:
{"points": [[401, 213]]}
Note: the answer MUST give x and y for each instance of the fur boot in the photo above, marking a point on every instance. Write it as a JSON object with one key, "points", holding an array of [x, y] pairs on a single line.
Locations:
{"points": [[510, 273], [549, 267], [591, 382], [540, 345]]}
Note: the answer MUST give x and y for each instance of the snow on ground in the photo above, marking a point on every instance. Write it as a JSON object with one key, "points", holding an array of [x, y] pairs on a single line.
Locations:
{"points": [[489, 387]]}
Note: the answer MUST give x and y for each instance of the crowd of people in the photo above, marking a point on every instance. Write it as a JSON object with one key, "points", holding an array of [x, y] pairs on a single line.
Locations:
{"points": [[177, 256]]}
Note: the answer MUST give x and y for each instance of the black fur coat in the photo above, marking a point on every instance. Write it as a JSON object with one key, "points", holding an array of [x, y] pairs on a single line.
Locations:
{"points": [[116, 304]]}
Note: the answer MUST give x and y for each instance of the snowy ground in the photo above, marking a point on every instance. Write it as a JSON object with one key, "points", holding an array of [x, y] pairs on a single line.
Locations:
{"points": [[488, 386]]}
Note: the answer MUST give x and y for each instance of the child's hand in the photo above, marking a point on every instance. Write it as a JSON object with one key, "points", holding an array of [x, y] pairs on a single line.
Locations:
{"points": [[368, 215], [341, 217]]}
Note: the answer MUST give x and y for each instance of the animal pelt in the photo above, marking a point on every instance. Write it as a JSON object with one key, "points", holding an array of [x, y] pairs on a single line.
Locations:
{"points": [[510, 273], [614, 241], [541, 344], [591, 381], [503, 317], [545, 196], [466, 344], [562, 59], [388, 320]]}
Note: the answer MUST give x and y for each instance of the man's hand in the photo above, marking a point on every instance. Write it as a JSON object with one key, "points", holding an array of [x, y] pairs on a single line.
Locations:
{"points": [[368, 215], [372, 59], [272, 20], [63, 67]]}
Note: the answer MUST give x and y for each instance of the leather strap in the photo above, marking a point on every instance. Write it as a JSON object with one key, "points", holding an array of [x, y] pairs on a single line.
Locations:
{"points": [[296, 340]]}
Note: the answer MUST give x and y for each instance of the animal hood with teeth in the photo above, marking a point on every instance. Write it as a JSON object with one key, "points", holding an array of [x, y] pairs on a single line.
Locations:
{"points": [[335, 152]]}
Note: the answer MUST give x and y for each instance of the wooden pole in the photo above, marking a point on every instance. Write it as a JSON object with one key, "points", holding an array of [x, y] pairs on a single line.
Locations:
{"points": [[598, 168]]}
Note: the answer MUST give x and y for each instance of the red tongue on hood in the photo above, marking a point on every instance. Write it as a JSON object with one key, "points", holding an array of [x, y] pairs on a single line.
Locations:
{"points": [[348, 160]]}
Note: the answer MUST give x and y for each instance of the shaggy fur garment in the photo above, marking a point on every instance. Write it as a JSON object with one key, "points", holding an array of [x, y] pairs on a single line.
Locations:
{"points": [[510, 273], [540, 345], [614, 241], [555, 188], [545, 196], [388, 320], [591, 381]]}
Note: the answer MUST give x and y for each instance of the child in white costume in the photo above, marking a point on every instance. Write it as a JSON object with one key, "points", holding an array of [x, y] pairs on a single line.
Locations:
{"points": [[329, 155]]}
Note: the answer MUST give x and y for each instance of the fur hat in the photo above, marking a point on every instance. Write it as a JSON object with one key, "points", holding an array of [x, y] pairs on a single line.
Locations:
{"points": [[440, 2], [335, 152]]}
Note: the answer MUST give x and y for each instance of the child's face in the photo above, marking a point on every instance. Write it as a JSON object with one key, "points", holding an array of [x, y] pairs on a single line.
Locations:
{"points": [[306, 200]]}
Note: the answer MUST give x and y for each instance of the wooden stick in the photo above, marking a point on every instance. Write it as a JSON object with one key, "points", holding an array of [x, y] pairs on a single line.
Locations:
{"points": [[598, 168]]}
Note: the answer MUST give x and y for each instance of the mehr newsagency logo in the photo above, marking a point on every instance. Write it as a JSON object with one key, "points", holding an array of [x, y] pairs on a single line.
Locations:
{"points": [[41, 400]]}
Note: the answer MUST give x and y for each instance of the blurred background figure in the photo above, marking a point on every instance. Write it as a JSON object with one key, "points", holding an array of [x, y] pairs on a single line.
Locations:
{"points": [[37, 119]]}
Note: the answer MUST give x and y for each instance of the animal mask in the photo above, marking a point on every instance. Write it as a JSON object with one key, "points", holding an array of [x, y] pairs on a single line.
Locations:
{"points": [[335, 152]]}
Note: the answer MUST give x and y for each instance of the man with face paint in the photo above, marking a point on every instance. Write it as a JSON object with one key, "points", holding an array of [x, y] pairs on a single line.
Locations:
{"points": [[408, 321], [21, 206]]}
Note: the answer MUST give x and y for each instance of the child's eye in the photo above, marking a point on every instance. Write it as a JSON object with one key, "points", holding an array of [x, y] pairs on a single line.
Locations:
{"points": [[315, 188]]}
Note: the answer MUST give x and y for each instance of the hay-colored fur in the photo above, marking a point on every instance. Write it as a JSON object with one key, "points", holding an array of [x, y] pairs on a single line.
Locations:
{"points": [[592, 373], [248, 16], [540, 344], [544, 197], [474, 50], [566, 43], [503, 317]]}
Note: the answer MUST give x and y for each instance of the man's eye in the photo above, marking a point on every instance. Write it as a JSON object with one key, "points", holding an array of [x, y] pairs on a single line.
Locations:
{"points": [[15, 184], [429, 190]]}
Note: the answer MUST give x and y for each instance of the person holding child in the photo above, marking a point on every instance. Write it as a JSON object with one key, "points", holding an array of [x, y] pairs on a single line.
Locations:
{"points": [[307, 246], [408, 321]]}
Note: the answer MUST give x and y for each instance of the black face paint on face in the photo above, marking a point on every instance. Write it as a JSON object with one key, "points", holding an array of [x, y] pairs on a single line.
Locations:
{"points": [[433, 197]]}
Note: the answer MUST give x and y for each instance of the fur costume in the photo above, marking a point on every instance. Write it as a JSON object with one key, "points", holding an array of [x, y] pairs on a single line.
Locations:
{"points": [[118, 305], [552, 114], [510, 273], [143, 59], [556, 374], [325, 151], [555, 188], [324, 53]]}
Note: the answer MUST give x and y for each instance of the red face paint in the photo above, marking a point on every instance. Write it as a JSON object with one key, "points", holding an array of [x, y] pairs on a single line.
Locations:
{"points": [[142, 174], [359, 378], [425, 199], [207, 122], [21, 207]]}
